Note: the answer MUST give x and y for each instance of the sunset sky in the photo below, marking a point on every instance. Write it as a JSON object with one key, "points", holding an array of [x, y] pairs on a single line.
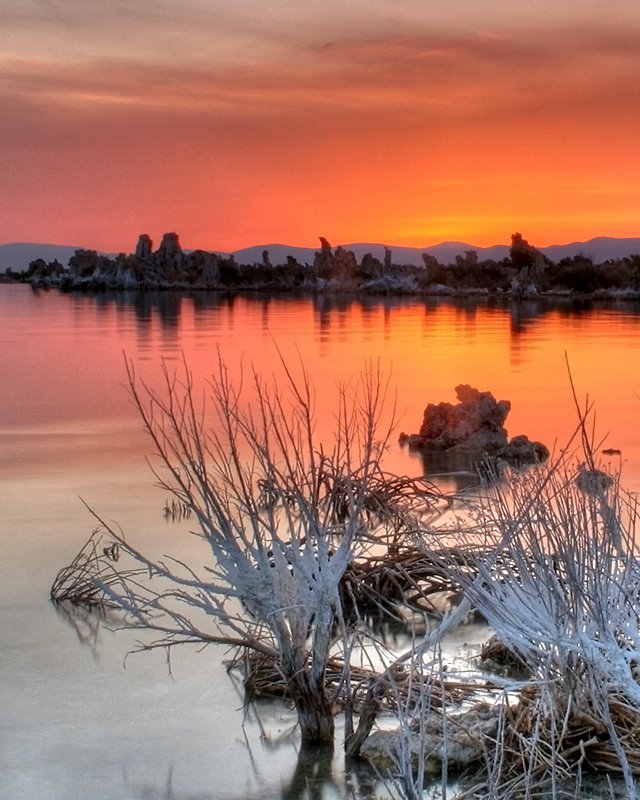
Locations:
{"points": [[243, 122]]}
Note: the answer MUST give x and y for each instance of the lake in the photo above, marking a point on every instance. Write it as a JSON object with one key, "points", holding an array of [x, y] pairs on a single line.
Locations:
{"points": [[77, 719]]}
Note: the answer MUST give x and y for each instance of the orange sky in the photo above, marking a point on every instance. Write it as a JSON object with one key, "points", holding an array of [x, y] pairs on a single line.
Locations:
{"points": [[397, 121]]}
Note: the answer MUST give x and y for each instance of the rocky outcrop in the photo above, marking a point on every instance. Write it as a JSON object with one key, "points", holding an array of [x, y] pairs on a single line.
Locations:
{"points": [[323, 261], [431, 267], [474, 426], [526, 259], [387, 259], [144, 248], [468, 261], [166, 268], [476, 422], [521, 451], [370, 268], [84, 263], [526, 273], [42, 275], [340, 264], [169, 259], [333, 270]]}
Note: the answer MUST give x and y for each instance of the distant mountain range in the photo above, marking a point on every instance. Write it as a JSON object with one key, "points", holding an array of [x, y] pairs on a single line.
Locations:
{"points": [[18, 256]]}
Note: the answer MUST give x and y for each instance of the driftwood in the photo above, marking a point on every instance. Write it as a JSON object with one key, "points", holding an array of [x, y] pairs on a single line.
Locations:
{"points": [[263, 678], [455, 739], [582, 742], [407, 575]]}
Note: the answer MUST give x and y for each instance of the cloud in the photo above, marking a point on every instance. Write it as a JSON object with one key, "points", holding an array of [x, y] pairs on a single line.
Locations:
{"points": [[396, 130], [160, 31], [433, 79], [221, 32]]}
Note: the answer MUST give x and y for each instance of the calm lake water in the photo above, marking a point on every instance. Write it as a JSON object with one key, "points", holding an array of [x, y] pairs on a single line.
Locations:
{"points": [[77, 721]]}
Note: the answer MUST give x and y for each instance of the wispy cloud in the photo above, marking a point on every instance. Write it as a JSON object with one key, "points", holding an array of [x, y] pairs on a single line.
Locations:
{"points": [[429, 75], [509, 120]]}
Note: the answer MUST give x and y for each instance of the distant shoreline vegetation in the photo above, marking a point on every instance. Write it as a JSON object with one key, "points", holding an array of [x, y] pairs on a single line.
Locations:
{"points": [[525, 272]]}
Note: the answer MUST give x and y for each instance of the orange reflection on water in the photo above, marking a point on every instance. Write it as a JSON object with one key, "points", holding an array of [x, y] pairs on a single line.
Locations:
{"points": [[63, 365]]}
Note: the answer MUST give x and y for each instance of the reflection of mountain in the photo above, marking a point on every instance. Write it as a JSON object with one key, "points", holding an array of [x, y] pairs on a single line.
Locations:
{"points": [[19, 255]]}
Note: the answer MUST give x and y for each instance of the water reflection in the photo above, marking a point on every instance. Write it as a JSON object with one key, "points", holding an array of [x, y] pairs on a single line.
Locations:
{"points": [[454, 469], [169, 306], [84, 622], [167, 315], [167, 792], [317, 775], [68, 428], [313, 773]]}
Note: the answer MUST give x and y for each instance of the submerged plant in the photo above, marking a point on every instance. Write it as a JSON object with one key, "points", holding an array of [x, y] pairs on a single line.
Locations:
{"points": [[281, 515], [301, 537], [552, 564], [562, 592]]}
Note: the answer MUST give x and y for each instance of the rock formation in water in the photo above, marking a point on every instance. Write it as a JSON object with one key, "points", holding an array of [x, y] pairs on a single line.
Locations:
{"points": [[169, 259], [431, 267], [476, 422], [339, 265], [143, 248], [525, 273], [370, 268], [473, 427], [168, 267]]}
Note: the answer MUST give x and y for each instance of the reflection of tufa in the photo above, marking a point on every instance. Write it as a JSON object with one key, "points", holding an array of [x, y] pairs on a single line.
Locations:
{"points": [[593, 481]]}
